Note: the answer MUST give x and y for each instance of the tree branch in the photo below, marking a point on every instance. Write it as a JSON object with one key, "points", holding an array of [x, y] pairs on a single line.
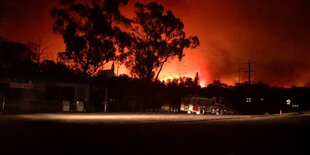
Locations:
{"points": [[143, 37], [161, 67]]}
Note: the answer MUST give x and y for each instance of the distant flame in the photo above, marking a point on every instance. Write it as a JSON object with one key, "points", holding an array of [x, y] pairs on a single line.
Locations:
{"points": [[202, 83]]}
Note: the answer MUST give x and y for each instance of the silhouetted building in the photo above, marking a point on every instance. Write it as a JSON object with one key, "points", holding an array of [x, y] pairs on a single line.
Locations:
{"points": [[44, 97]]}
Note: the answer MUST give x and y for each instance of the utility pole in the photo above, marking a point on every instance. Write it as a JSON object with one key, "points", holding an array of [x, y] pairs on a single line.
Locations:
{"points": [[117, 68], [106, 99], [3, 104], [250, 71]]}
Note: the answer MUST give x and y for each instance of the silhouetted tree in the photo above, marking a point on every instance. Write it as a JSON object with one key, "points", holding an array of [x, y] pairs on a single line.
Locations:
{"points": [[13, 52], [217, 84], [39, 48], [185, 82], [50, 70], [196, 79], [88, 32], [158, 36], [16, 59]]}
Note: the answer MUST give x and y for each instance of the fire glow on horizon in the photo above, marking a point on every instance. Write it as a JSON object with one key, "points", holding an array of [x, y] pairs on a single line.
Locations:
{"points": [[168, 73]]}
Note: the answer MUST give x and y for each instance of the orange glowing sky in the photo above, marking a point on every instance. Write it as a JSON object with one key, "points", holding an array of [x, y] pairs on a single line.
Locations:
{"points": [[273, 33]]}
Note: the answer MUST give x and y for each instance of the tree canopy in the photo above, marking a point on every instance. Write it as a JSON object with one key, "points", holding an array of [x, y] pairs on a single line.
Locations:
{"points": [[157, 37], [93, 36], [16, 59], [89, 32]]}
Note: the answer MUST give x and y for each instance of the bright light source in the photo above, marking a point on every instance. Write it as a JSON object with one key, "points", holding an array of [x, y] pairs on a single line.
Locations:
{"points": [[295, 106], [248, 100]]}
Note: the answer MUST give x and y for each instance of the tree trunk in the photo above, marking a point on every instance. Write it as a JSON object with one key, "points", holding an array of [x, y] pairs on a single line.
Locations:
{"points": [[161, 67]]}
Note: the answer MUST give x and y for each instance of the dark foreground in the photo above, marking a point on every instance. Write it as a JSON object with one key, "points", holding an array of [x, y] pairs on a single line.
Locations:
{"points": [[154, 134]]}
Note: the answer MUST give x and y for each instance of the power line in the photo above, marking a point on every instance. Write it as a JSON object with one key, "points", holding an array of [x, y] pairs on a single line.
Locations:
{"points": [[240, 69]]}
